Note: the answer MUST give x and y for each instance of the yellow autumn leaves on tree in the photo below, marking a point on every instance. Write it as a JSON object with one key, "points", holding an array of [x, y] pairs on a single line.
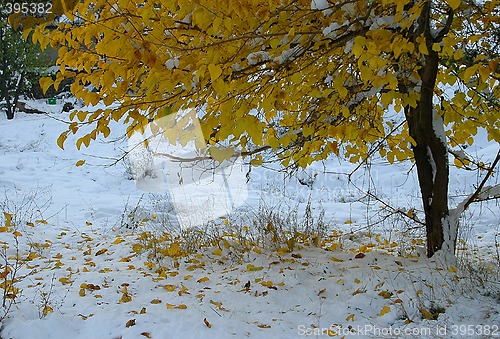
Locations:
{"points": [[305, 78], [297, 75]]}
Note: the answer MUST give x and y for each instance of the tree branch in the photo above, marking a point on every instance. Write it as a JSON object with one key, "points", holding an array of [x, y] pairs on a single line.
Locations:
{"points": [[447, 26], [201, 158], [477, 195]]}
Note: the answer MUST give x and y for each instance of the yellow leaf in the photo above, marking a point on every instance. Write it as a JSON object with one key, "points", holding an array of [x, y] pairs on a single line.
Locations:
{"points": [[207, 323], [118, 241], [172, 306], [281, 251], [82, 292], [422, 48], [257, 250], [17, 234], [125, 298], [150, 265], [426, 314], [268, 283], [215, 71], [137, 248], [453, 269], [454, 4], [385, 294], [202, 279], [350, 317], [221, 154], [217, 251], [80, 163], [45, 83], [468, 73], [169, 288], [257, 161], [297, 78], [333, 247], [156, 301], [85, 140], [8, 219], [46, 310], [484, 72], [61, 139], [358, 47], [101, 251], [252, 268], [358, 291], [335, 259], [81, 115], [174, 250], [32, 255], [65, 280], [384, 310], [184, 290]]}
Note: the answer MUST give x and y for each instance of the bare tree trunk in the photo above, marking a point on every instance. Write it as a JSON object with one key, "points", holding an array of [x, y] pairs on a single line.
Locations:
{"points": [[431, 159], [431, 156], [19, 85], [4, 78], [12, 105], [6, 82]]}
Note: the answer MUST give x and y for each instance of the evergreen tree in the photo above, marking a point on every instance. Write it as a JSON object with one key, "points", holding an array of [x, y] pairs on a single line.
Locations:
{"points": [[19, 58]]}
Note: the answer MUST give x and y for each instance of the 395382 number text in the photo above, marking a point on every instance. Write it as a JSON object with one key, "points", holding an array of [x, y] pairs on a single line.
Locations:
{"points": [[30, 8]]}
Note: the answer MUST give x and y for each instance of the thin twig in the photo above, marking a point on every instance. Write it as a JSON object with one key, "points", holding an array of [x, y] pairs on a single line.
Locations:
{"points": [[474, 196]]}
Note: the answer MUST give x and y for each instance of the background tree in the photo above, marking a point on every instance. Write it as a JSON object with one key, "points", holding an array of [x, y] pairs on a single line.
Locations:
{"points": [[21, 63], [305, 79]]}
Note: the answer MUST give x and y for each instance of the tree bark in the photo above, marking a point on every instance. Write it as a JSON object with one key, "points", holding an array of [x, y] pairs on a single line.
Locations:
{"points": [[430, 152], [4, 78], [6, 82]]}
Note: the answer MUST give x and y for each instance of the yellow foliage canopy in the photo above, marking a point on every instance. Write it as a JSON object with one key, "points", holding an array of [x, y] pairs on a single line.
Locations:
{"points": [[308, 78]]}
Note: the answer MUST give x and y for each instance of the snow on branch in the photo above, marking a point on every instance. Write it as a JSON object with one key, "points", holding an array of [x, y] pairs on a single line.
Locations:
{"points": [[482, 192]]}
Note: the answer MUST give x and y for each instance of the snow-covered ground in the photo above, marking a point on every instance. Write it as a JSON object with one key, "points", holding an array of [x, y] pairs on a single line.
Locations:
{"points": [[86, 279]]}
